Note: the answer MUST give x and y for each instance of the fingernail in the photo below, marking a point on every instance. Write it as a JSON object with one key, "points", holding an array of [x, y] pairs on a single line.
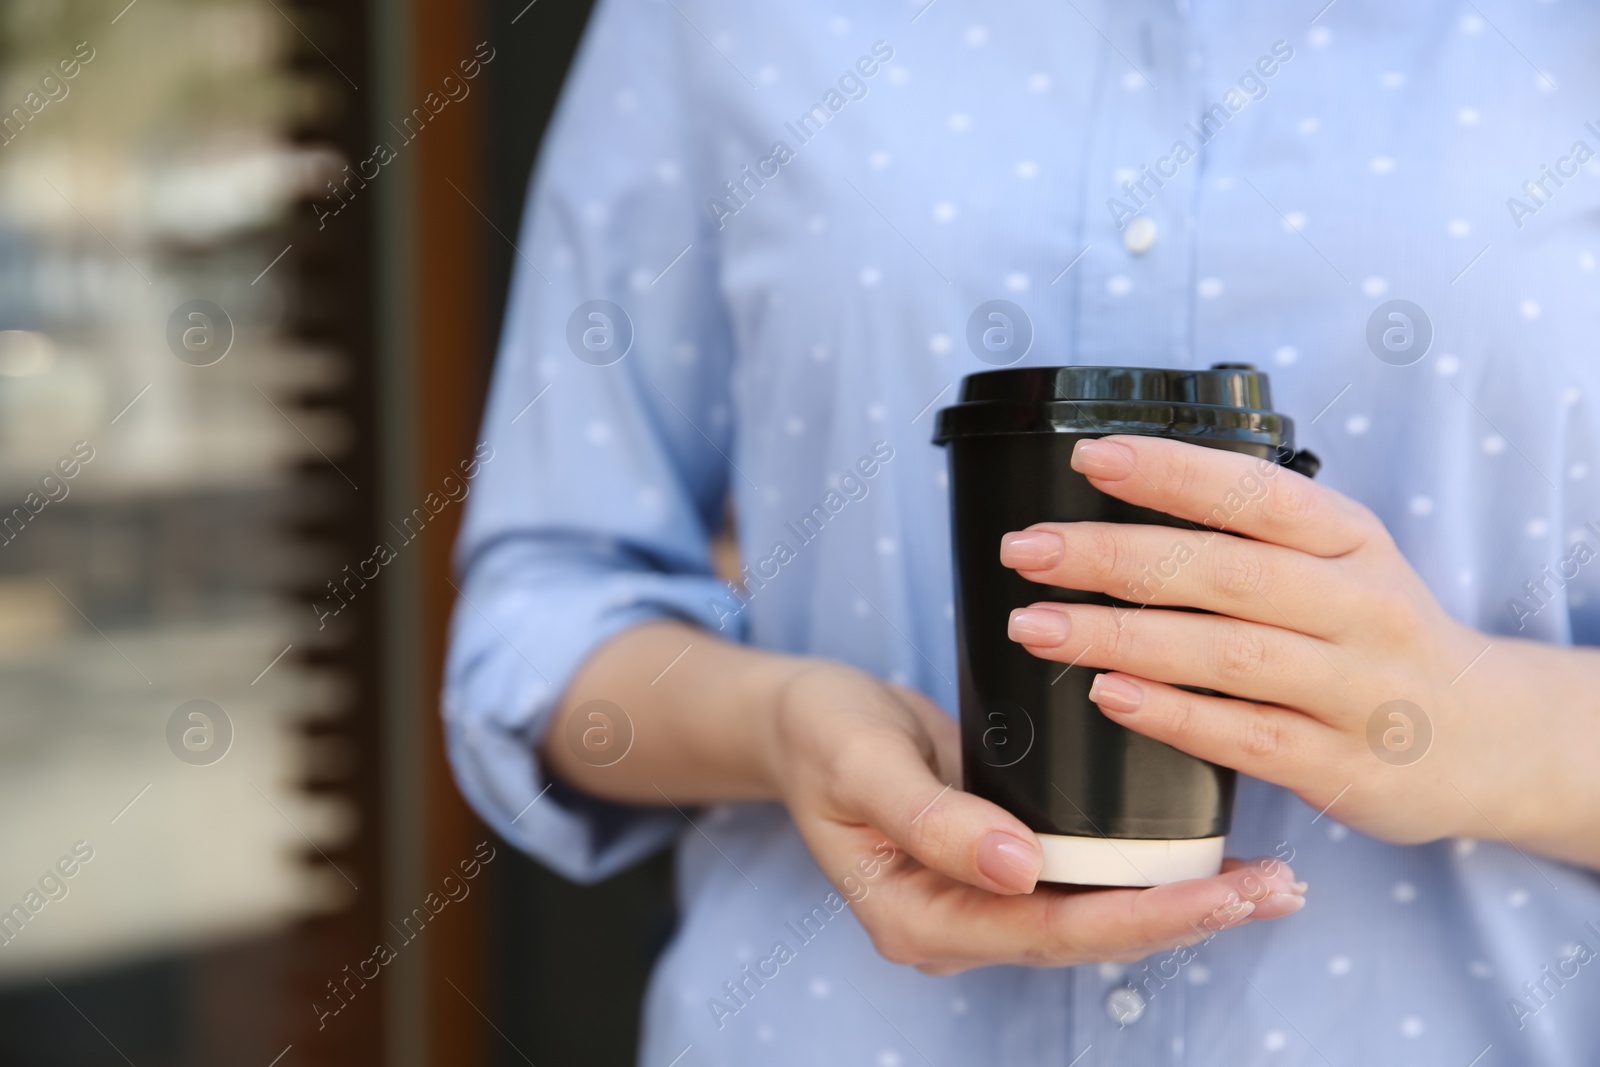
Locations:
{"points": [[1032, 550], [1283, 882], [1115, 694], [1009, 861], [1038, 626], [1102, 459], [1236, 912], [1277, 905]]}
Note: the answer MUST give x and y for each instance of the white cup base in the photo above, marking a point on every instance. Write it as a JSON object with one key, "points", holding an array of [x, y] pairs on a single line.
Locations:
{"points": [[1114, 861]]}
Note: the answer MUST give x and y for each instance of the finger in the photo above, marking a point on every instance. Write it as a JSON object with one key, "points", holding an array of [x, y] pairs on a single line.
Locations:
{"points": [[1182, 913], [1273, 744], [1161, 565], [1262, 881], [1246, 659], [1226, 490], [1060, 926], [889, 784]]}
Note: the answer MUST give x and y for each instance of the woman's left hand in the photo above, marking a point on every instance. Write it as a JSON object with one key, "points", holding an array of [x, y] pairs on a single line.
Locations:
{"points": [[1349, 684]]}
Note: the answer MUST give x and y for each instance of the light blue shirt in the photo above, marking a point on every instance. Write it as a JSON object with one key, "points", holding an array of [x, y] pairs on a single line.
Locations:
{"points": [[799, 208]]}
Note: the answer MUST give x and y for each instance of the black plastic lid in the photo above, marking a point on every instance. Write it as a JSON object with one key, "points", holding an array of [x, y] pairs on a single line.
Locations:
{"points": [[1230, 401], [1232, 385]]}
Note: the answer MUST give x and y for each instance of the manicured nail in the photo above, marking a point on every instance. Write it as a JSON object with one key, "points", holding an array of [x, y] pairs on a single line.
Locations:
{"points": [[1102, 459], [1009, 861], [1032, 550], [1235, 913], [1277, 905], [1038, 626], [1115, 694], [1283, 882], [1278, 878]]}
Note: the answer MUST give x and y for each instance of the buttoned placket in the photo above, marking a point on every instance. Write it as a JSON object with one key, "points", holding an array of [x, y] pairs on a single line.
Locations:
{"points": [[1134, 291], [1135, 286]]}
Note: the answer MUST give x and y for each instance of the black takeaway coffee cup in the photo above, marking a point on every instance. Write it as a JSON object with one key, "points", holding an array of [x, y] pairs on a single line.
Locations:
{"points": [[1110, 806]]}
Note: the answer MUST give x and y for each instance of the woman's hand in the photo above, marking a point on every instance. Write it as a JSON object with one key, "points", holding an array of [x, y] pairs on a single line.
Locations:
{"points": [[936, 876], [944, 880], [1317, 626]]}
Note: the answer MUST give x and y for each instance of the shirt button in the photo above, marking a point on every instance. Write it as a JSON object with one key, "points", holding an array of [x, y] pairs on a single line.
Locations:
{"points": [[1124, 1005], [1139, 236]]}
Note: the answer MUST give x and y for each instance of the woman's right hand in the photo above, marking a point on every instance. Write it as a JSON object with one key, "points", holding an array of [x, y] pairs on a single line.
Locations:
{"points": [[945, 881]]}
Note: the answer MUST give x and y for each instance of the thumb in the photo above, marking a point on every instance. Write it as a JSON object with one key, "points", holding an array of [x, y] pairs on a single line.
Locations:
{"points": [[943, 828], [942, 730]]}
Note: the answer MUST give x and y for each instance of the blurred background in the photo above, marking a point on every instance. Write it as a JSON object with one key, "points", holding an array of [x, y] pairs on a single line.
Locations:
{"points": [[253, 256]]}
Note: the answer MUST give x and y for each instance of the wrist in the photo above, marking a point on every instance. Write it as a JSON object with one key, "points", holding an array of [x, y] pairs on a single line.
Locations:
{"points": [[1532, 782], [766, 691]]}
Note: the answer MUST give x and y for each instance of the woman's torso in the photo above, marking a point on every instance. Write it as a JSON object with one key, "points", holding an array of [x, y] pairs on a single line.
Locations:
{"points": [[1374, 163]]}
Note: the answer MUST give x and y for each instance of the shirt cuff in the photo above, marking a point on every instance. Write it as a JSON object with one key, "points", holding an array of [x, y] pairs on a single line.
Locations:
{"points": [[515, 648]]}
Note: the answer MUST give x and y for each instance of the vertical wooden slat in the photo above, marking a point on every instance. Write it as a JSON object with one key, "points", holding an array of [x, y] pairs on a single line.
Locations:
{"points": [[450, 340], [332, 305]]}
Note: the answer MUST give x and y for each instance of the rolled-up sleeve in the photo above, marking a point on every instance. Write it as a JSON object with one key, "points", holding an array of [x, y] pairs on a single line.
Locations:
{"points": [[599, 482]]}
